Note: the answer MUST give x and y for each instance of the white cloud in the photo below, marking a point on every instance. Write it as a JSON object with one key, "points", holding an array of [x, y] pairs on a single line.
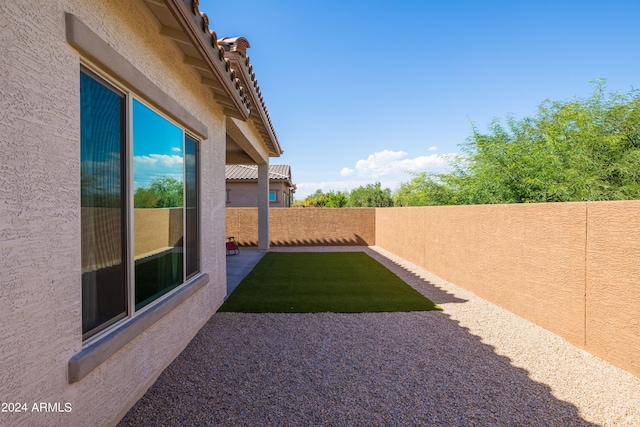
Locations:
{"points": [[158, 160], [151, 166], [346, 172], [388, 163], [388, 167], [433, 148]]}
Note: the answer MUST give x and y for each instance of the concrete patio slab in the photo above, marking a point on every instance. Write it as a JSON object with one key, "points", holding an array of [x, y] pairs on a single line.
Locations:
{"points": [[238, 266]]}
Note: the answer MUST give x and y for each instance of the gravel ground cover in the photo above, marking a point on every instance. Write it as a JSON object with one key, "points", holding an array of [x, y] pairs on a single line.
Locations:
{"points": [[473, 364]]}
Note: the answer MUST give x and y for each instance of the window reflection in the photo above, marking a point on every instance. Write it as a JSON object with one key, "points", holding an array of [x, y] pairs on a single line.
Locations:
{"points": [[158, 176], [192, 230], [102, 142]]}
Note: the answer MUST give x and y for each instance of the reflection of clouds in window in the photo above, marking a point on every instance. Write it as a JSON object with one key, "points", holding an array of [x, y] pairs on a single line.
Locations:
{"points": [[101, 176], [109, 165], [190, 160], [159, 160], [156, 165], [158, 175], [157, 147]]}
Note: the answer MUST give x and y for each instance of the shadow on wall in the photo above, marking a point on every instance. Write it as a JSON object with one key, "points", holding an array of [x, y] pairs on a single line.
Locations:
{"points": [[356, 241]]}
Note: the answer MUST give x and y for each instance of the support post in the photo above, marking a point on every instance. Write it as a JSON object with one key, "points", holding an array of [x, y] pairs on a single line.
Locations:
{"points": [[263, 207]]}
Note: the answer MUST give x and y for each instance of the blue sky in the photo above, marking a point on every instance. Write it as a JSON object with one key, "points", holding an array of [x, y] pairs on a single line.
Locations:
{"points": [[364, 91], [157, 147]]}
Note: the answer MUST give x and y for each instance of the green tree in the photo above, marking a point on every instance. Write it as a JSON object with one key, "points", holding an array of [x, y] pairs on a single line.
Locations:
{"points": [[585, 149], [579, 150], [314, 199], [169, 192], [424, 189], [145, 198], [163, 192], [336, 199], [371, 195], [332, 199]]}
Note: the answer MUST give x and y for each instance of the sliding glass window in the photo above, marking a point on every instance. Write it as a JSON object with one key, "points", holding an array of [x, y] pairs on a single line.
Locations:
{"points": [[103, 207], [132, 256], [158, 180], [192, 195]]}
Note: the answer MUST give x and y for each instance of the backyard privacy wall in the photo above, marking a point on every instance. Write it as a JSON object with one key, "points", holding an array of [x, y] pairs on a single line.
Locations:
{"points": [[305, 226], [572, 268]]}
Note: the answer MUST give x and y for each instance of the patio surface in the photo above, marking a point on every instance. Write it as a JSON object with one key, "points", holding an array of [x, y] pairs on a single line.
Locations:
{"points": [[473, 364], [238, 266]]}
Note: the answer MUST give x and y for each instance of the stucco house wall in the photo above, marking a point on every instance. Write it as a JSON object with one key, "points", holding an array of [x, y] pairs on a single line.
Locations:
{"points": [[243, 189], [245, 194], [40, 229]]}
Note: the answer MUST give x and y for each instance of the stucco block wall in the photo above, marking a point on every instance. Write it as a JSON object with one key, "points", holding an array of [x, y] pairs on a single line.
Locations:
{"points": [[305, 226], [40, 259], [571, 268], [242, 224], [148, 223], [613, 283]]}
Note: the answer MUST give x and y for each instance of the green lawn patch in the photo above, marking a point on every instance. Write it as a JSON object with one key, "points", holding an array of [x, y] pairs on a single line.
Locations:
{"points": [[316, 282]]}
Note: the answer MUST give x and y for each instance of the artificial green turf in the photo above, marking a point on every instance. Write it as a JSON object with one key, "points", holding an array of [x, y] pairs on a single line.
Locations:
{"points": [[315, 282]]}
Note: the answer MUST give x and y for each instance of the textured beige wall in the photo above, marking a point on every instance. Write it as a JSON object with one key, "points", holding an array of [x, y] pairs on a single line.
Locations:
{"points": [[613, 283], [569, 267], [107, 220], [156, 229], [151, 230], [305, 226], [40, 260], [242, 224]]}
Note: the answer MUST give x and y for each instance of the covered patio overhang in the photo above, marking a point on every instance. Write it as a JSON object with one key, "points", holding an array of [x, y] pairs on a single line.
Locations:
{"points": [[223, 68], [252, 141]]}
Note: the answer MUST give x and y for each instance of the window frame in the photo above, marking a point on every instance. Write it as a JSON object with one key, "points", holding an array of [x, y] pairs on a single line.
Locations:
{"points": [[198, 193], [124, 192], [101, 58], [132, 314]]}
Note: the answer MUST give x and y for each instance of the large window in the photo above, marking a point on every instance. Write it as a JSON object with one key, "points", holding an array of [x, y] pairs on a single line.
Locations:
{"points": [[140, 222], [103, 213]]}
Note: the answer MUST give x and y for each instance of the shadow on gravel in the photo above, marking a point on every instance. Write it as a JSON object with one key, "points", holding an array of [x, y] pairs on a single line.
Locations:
{"points": [[426, 288], [330, 369]]}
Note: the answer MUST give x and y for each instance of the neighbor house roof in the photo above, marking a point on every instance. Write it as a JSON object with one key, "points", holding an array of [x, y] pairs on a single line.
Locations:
{"points": [[250, 173]]}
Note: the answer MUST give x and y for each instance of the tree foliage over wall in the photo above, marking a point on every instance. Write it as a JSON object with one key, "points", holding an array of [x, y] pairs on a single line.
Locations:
{"points": [[371, 195], [581, 150]]}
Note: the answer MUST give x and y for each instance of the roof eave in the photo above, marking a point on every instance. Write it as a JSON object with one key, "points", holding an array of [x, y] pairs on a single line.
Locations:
{"points": [[259, 111], [195, 26]]}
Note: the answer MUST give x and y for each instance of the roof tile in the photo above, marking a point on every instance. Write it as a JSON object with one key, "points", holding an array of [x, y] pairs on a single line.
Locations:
{"points": [[250, 172]]}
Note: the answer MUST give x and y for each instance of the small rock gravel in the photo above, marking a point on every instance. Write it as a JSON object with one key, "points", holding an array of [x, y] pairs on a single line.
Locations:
{"points": [[473, 364]]}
